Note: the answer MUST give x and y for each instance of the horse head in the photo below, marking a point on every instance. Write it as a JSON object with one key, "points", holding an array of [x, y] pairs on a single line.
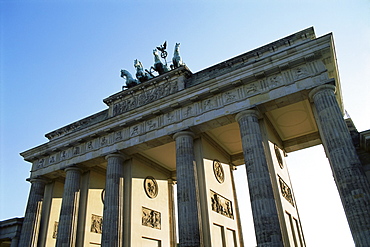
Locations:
{"points": [[138, 65], [177, 47], [124, 73]]}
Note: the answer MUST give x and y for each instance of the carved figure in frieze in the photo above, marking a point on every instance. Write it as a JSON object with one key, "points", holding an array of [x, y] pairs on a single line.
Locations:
{"points": [[89, 145], [96, 224], [135, 130], [63, 155], [208, 104], [151, 124], [158, 65], [55, 230], [170, 117], [188, 112], [275, 81], [52, 159], [251, 89], [118, 135], [301, 72], [130, 81], [230, 97], [103, 141], [142, 75], [221, 205], [76, 150], [40, 164], [177, 60], [286, 192], [151, 218]]}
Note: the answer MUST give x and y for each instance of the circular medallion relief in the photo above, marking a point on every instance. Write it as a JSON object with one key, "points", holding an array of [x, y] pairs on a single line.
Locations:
{"points": [[102, 195], [278, 157], [218, 171], [150, 187]]}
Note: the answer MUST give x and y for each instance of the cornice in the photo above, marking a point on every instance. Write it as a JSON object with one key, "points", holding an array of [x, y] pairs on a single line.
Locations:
{"points": [[281, 68]]}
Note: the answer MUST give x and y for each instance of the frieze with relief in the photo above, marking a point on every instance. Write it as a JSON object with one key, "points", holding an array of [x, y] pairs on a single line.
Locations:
{"points": [[55, 230], [221, 205], [192, 109], [83, 123], [286, 192], [96, 224], [151, 218], [144, 97]]}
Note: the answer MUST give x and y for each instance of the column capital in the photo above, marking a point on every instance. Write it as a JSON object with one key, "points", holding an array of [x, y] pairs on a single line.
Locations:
{"points": [[37, 180], [251, 112], [183, 133], [117, 155], [73, 167], [320, 88]]}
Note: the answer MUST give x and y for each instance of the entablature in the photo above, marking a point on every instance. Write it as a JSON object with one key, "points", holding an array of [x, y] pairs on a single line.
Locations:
{"points": [[153, 121]]}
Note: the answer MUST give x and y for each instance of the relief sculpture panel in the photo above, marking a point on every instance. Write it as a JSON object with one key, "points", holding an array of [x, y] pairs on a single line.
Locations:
{"points": [[221, 205], [145, 97], [286, 191], [96, 223], [151, 218]]}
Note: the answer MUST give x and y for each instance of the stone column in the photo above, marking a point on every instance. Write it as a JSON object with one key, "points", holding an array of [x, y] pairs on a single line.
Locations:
{"points": [[113, 202], [31, 222], [353, 187], [67, 226], [187, 199], [15, 242], [265, 216]]}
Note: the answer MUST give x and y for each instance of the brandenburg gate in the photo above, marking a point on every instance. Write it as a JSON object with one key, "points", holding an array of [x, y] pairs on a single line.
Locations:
{"points": [[108, 179]]}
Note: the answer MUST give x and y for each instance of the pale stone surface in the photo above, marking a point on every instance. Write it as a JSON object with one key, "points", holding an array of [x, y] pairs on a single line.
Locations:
{"points": [[67, 226], [265, 216], [29, 233], [187, 199], [140, 122], [349, 177]]}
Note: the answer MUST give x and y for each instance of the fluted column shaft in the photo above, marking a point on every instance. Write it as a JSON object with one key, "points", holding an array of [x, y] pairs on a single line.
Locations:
{"points": [[187, 201], [67, 226], [14, 242], [349, 177], [113, 202], [265, 216], [31, 222]]}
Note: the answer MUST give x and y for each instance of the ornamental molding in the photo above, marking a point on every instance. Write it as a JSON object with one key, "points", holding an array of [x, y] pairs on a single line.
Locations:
{"points": [[248, 61], [190, 113], [239, 89]]}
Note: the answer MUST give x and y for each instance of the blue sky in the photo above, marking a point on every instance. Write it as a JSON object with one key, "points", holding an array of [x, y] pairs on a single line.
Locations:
{"points": [[60, 59]]}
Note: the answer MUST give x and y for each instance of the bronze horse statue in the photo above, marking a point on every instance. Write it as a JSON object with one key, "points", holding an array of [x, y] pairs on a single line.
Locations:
{"points": [[130, 81]]}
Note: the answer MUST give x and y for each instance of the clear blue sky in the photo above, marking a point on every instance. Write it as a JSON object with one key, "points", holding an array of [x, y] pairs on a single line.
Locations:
{"points": [[60, 59]]}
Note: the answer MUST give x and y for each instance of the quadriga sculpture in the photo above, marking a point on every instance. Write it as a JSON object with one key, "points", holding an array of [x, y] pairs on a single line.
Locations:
{"points": [[130, 81], [141, 75], [176, 60], [158, 65]]}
